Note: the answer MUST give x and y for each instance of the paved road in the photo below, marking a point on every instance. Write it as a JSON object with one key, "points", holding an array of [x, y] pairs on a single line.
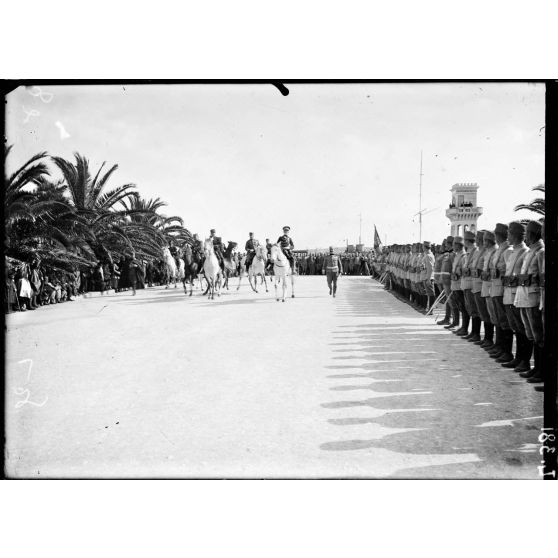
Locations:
{"points": [[164, 385]]}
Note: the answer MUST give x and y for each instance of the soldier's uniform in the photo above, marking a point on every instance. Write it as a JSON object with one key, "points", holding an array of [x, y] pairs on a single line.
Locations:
{"points": [[481, 287], [469, 265], [527, 299], [452, 310], [250, 248], [217, 248], [480, 304], [427, 273], [510, 281], [332, 268], [497, 268], [287, 246], [456, 290]]}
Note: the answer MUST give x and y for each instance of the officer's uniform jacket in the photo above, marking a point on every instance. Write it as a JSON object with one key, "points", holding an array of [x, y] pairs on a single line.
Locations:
{"points": [[410, 266], [497, 268], [332, 263], [485, 273], [476, 269], [427, 265], [447, 264], [540, 258], [457, 270], [438, 268], [286, 243], [527, 294], [513, 268], [250, 246], [466, 269]]}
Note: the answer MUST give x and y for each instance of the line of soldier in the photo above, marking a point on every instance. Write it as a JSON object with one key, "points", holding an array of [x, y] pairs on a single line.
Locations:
{"points": [[491, 279]]}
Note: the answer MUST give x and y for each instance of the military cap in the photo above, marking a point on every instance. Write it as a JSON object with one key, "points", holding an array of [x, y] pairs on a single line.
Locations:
{"points": [[489, 235], [449, 239], [250, 233], [458, 240], [426, 244], [480, 234], [534, 226], [469, 236], [286, 228], [501, 229], [212, 231], [516, 227]]}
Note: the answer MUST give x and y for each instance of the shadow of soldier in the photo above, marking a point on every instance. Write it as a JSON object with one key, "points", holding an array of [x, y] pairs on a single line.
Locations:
{"points": [[447, 396]]}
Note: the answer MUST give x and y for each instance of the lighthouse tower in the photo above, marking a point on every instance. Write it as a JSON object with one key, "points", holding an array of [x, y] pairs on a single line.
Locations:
{"points": [[463, 211]]}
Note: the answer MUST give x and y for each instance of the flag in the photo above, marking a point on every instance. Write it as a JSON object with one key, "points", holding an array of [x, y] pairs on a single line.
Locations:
{"points": [[377, 241]]}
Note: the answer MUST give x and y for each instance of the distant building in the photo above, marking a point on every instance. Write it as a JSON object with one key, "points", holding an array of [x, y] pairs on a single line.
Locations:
{"points": [[463, 211]]}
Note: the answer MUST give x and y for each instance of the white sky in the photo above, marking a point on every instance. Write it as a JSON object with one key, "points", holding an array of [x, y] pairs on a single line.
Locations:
{"points": [[243, 158]]}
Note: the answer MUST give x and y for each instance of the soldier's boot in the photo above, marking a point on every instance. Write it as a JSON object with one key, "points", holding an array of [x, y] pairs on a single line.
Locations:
{"points": [[537, 363], [525, 363], [496, 349], [538, 377], [455, 319], [519, 349], [446, 319], [487, 342], [507, 344], [475, 337], [465, 326]]}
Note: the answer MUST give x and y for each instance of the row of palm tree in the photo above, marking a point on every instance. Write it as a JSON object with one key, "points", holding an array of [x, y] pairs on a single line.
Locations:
{"points": [[79, 219]]}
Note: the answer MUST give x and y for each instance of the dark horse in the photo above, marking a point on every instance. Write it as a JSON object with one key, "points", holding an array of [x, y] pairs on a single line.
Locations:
{"points": [[192, 267]]}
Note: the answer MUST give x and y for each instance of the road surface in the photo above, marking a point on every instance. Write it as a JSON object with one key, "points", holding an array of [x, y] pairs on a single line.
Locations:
{"points": [[162, 385]]}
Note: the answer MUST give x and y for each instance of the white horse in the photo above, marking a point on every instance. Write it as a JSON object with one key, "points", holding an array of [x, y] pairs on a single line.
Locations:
{"points": [[211, 269], [171, 269], [281, 270], [257, 267]]}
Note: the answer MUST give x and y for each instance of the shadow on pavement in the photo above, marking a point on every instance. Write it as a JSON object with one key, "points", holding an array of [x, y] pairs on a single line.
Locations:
{"points": [[453, 398]]}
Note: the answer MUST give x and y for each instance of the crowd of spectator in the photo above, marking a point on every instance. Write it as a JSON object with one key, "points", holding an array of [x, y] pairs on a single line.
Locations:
{"points": [[30, 286]]}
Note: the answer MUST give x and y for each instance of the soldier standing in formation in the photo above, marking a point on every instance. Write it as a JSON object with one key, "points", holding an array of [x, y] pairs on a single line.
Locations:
{"points": [[528, 301], [501, 351], [456, 289]]}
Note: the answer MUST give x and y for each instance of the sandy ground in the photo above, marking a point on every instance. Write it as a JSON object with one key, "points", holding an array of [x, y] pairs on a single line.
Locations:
{"points": [[163, 385]]}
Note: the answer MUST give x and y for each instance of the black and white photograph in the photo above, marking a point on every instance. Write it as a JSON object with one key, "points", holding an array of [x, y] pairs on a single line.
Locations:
{"points": [[277, 280]]}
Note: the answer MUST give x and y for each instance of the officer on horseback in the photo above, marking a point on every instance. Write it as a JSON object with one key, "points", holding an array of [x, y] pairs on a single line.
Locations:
{"points": [[251, 245], [286, 244], [218, 248]]}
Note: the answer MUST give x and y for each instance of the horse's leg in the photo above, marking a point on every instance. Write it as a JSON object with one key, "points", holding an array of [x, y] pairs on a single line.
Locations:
{"points": [[284, 286], [292, 286], [275, 284], [239, 281], [265, 281]]}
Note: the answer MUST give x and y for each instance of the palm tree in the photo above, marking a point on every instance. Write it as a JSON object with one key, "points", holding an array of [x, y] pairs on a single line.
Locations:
{"points": [[96, 206], [537, 205]]}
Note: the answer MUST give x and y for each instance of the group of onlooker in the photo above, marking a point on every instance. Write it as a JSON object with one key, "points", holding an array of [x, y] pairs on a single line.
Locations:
{"points": [[29, 286], [32, 285]]}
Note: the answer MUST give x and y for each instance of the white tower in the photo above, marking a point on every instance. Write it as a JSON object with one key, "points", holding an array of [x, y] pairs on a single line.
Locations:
{"points": [[463, 212]]}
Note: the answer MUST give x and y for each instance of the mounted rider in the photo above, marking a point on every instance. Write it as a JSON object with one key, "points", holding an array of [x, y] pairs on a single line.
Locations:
{"points": [[250, 247], [286, 244], [218, 248]]}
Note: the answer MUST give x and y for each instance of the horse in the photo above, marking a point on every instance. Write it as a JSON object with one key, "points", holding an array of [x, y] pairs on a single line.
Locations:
{"points": [[281, 270], [211, 269], [257, 267], [171, 271], [229, 263], [192, 267]]}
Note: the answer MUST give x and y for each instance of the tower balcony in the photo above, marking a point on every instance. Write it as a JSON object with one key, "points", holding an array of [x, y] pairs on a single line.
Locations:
{"points": [[463, 213]]}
